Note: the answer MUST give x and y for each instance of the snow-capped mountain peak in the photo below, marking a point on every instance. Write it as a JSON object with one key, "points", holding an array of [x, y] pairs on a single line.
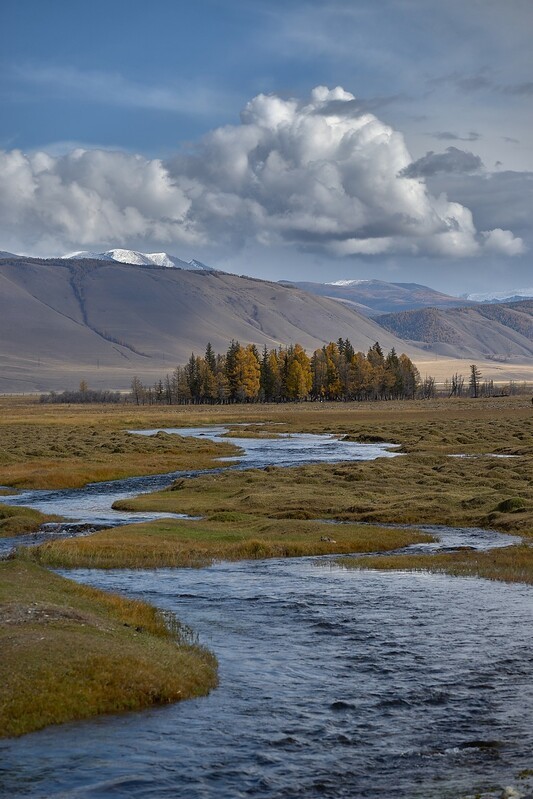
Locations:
{"points": [[140, 259], [502, 296], [347, 282]]}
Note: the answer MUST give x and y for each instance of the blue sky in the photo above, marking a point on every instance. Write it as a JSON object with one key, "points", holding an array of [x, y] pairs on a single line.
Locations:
{"points": [[154, 85]]}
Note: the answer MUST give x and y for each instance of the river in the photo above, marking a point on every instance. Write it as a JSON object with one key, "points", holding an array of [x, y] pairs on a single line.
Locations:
{"points": [[333, 683]]}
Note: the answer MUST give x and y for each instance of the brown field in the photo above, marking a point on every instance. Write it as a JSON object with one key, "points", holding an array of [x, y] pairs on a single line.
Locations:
{"points": [[425, 485], [71, 652], [66, 447]]}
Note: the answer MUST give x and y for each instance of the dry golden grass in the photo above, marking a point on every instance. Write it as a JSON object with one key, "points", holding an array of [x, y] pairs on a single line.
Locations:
{"points": [[170, 542], [411, 489], [70, 652], [40, 448], [511, 564], [19, 521], [422, 486]]}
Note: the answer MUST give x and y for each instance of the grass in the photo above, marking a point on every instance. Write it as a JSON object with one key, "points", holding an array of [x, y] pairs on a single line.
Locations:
{"points": [[512, 564], [71, 652], [221, 537], [423, 486], [412, 489], [64, 456], [19, 521]]}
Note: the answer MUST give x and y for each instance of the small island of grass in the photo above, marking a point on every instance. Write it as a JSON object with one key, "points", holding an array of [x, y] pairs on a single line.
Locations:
{"points": [[71, 652]]}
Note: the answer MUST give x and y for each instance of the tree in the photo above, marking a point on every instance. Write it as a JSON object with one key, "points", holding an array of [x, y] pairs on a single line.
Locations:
{"points": [[137, 391], [210, 357], [457, 385], [475, 378]]}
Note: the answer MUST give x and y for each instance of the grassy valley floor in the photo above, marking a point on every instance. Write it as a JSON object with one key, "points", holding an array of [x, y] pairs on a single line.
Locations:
{"points": [[49, 623]]}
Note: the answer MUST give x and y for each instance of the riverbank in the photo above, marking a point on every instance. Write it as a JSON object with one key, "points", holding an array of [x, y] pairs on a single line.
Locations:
{"points": [[71, 652], [15, 520]]}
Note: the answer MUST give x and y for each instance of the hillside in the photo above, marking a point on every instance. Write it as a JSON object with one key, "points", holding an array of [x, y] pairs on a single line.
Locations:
{"points": [[502, 332], [66, 320], [374, 297]]}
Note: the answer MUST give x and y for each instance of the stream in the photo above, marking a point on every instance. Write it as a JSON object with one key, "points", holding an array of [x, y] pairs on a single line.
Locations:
{"points": [[333, 683]]}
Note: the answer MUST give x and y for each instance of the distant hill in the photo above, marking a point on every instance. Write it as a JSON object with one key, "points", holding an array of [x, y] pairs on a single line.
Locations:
{"points": [[374, 297], [65, 320], [501, 331]]}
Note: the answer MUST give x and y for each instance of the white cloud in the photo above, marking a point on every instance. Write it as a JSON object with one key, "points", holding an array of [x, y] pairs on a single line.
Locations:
{"points": [[321, 176]]}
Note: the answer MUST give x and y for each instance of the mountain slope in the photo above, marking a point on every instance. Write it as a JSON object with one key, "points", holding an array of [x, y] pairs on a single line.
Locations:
{"points": [[373, 297], [503, 331], [64, 320]]}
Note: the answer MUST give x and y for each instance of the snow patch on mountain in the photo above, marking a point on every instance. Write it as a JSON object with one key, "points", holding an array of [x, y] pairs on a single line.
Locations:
{"points": [[348, 282], [502, 296], [140, 259]]}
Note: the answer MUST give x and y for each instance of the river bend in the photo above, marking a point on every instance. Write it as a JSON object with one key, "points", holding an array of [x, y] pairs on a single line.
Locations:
{"points": [[333, 683]]}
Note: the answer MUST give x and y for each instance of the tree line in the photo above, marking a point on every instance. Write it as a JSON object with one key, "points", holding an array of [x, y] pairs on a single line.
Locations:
{"points": [[287, 374]]}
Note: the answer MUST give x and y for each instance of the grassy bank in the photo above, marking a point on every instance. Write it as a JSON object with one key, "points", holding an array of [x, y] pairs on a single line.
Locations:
{"points": [[70, 652], [511, 564], [19, 521], [223, 536]]}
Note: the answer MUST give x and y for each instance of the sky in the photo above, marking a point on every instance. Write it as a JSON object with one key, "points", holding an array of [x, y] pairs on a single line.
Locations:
{"points": [[296, 140]]}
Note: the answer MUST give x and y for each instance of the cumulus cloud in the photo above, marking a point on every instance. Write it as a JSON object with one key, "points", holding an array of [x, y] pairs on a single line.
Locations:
{"points": [[323, 175], [453, 160]]}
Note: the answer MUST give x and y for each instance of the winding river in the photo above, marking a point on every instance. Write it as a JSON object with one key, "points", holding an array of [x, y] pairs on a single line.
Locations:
{"points": [[333, 683]]}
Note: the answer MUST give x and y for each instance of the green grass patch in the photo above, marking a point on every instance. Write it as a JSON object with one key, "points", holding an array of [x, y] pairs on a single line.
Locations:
{"points": [[71, 652], [170, 542]]}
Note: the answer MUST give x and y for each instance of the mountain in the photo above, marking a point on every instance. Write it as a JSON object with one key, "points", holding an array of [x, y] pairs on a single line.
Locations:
{"points": [[515, 295], [139, 259], [499, 331], [374, 297], [64, 320]]}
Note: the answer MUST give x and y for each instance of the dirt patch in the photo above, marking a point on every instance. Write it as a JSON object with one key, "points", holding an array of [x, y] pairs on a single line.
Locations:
{"points": [[15, 613]]}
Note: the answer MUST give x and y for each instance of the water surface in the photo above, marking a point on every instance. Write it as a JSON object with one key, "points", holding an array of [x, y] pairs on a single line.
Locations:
{"points": [[333, 683]]}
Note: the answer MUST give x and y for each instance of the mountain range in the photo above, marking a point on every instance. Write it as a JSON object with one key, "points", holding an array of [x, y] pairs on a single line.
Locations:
{"points": [[497, 331], [102, 319], [374, 297], [63, 320], [138, 259]]}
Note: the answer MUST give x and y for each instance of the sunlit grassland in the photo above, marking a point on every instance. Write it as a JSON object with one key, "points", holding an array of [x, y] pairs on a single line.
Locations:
{"points": [[70, 652], [511, 564], [223, 536], [60, 448], [19, 521], [423, 486]]}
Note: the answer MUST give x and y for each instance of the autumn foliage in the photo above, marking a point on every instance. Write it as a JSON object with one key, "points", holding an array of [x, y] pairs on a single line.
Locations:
{"points": [[285, 374]]}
